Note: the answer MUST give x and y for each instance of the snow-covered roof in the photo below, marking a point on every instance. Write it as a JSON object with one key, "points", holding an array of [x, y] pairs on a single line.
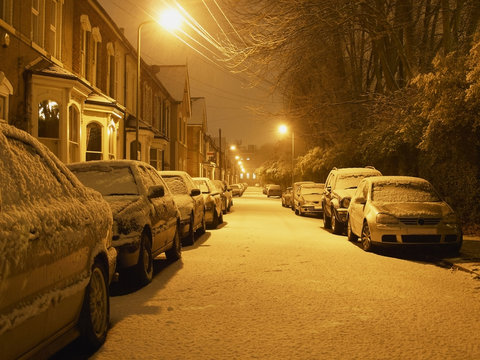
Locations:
{"points": [[175, 80]]}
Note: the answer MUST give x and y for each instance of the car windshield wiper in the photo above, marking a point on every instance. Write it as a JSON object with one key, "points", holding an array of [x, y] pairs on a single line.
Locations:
{"points": [[120, 194], [351, 187]]}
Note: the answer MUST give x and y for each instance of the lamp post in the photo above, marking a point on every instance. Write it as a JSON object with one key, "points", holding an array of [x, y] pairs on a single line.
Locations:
{"points": [[283, 129], [137, 109], [170, 20]]}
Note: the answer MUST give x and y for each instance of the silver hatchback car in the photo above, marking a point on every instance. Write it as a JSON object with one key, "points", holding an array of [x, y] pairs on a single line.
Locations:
{"points": [[401, 211]]}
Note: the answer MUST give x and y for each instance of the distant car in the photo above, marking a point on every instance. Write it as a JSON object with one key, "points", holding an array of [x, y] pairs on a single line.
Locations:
{"points": [[57, 259], [401, 211], [213, 201], [287, 197], [146, 220], [265, 188], [190, 203], [295, 193], [340, 186], [236, 190], [274, 190], [225, 193], [309, 200]]}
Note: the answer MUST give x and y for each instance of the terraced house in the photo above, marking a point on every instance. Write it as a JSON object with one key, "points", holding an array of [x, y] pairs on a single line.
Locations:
{"points": [[68, 76]]}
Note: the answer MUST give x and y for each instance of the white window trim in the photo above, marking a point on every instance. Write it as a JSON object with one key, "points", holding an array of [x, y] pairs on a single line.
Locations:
{"points": [[6, 89]]}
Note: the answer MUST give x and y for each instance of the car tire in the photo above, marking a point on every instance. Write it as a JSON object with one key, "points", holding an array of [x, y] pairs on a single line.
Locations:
{"points": [[175, 252], [337, 227], [144, 268], [366, 238], [327, 224], [202, 228], [220, 219], [190, 238], [350, 235], [95, 314]]}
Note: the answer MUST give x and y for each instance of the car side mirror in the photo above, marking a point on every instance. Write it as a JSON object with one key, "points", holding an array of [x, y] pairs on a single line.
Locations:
{"points": [[195, 192], [361, 200], [156, 191], [329, 188]]}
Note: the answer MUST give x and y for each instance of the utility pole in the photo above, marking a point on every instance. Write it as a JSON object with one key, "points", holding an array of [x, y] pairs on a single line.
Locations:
{"points": [[220, 157]]}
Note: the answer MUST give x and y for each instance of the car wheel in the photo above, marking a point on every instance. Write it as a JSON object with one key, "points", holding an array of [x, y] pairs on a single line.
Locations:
{"points": [[175, 252], [326, 221], [144, 267], [220, 219], [366, 238], [95, 313], [190, 239], [202, 228], [350, 235], [337, 227]]}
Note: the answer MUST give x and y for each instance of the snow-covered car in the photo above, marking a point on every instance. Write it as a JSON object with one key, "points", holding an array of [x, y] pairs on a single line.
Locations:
{"points": [[213, 201], [57, 259], [225, 193], [145, 217], [287, 197], [237, 189], [401, 211], [295, 188], [309, 199], [339, 189], [274, 190], [190, 203]]}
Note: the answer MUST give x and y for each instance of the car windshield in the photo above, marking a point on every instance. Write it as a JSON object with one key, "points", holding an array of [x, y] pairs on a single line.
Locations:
{"points": [[404, 192], [176, 185], [312, 190], [108, 180], [202, 184], [350, 181]]}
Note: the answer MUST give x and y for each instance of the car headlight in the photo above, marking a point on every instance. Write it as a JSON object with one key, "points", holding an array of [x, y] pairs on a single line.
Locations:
{"points": [[345, 202], [450, 219], [386, 219]]}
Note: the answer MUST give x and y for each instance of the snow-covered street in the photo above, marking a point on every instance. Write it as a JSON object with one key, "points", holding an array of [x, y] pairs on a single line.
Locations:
{"points": [[271, 285]]}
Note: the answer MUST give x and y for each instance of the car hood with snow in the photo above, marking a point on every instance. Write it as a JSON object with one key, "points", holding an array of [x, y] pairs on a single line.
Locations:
{"points": [[409, 209]]}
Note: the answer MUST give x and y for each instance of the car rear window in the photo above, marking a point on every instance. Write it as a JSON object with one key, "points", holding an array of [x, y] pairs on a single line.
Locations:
{"points": [[108, 180]]}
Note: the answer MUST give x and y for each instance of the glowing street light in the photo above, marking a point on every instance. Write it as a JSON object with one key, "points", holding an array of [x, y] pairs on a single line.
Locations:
{"points": [[283, 129]]}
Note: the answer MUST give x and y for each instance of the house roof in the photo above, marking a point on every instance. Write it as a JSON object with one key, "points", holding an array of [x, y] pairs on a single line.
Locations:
{"points": [[198, 111], [175, 79]]}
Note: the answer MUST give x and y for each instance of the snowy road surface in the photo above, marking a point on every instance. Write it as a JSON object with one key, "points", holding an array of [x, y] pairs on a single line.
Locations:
{"points": [[272, 285]]}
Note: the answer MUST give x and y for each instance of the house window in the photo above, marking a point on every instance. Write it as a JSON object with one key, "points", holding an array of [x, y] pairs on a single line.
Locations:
{"points": [[155, 159], [49, 124], [167, 120], [85, 46], [97, 39], [111, 142], [6, 10], [94, 142], [110, 70], [156, 113], [53, 26], [6, 89], [73, 134], [37, 23]]}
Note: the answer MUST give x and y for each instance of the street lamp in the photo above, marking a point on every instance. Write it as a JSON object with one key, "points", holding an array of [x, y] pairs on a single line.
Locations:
{"points": [[171, 20], [283, 129]]}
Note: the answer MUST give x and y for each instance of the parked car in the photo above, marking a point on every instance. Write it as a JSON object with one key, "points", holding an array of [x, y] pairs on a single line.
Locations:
{"points": [[339, 188], [57, 259], [295, 194], [213, 201], [309, 199], [287, 197], [190, 203], [145, 218], [401, 211], [265, 188], [225, 193], [236, 190], [274, 190]]}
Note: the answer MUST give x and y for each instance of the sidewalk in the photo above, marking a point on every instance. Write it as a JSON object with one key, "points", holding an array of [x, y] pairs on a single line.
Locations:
{"points": [[469, 257]]}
